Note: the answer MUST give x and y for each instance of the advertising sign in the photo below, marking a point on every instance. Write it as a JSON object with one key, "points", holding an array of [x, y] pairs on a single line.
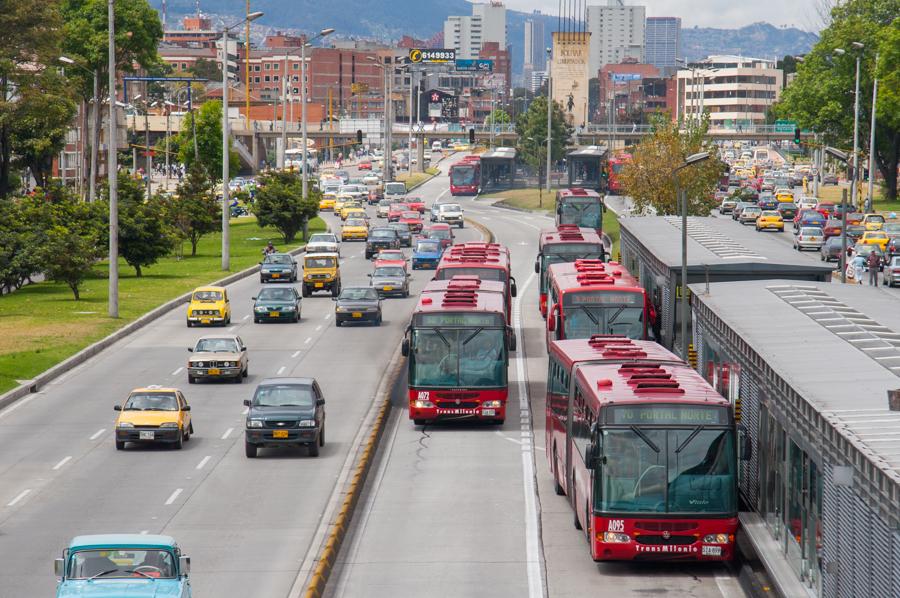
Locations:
{"points": [[436, 56], [479, 65]]}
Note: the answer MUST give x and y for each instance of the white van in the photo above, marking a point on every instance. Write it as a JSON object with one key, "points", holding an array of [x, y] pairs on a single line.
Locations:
{"points": [[437, 147]]}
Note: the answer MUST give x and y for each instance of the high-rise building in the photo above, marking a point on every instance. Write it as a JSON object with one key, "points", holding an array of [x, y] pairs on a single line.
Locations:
{"points": [[535, 50], [467, 34], [617, 33], [663, 43], [537, 80]]}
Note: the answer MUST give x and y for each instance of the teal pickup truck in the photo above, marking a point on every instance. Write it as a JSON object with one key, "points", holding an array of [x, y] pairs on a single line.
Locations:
{"points": [[123, 566]]}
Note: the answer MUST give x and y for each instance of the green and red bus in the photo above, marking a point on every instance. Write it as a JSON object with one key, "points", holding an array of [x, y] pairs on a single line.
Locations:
{"points": [[565, 243], [580, 207], [487, 261]]}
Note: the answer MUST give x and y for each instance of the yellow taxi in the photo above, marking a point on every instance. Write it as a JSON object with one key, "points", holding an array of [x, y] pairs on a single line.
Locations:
{"points": [[350, 212], [349, 207], [354, 229], [784, 195], [873, 221], [154, 414], [327, 201], [341, 200], [875, 237], [208, 306], [770, 220]]}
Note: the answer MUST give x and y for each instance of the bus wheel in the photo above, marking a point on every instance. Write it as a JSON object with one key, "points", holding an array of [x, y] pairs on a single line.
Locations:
{"points": [[557, 487], [575, 518]]}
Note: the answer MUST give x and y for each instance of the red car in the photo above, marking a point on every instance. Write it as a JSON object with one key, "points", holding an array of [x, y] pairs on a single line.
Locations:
{"points": [[441, 232], [416, 203], [825, 209], [365, 166], [413, 220], [396, 210], [832, 228], [383, 262]]}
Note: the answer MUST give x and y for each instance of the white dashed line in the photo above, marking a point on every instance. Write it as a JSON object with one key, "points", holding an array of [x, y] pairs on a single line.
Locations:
{"points": [[203, 462], [20, 496], [227, 433], [280, 371], [231, 329], [98, 434], [178, 371], [308, 340], [247, 317], [318, 328], [62, 462], [174, 496], [327, 316], [144, 532], [295, 354]]}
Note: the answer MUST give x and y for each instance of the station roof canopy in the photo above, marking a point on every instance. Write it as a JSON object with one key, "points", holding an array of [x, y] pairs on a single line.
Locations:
{"points": [[837, 346], [501, 153], [719, 247], [590, 151]]}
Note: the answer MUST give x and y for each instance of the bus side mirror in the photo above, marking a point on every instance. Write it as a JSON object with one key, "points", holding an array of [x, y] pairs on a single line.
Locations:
{"points": [[404, 348], [184, 565], [537, 265], [590, 456], [512, 286], [512, 339], [551, 321], [58, 568], [745, 444]]}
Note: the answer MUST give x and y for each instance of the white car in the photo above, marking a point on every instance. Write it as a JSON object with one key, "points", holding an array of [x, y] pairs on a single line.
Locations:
{"points": [[809, 237], [371, 179], [807, 203], [355, 191], [450, 213], [324, 243]]}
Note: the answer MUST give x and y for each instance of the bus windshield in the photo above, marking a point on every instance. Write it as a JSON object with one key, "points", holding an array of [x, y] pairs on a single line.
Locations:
{"points": [[482, 273], [603, 312], [462, 175], [458, 357], [653, 470], [558, 253], [581, 213]]}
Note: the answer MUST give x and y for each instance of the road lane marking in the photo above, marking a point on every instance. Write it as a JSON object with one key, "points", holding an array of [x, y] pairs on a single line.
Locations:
{"points": [[203, 462], [20, 496], [280, 371], [327, 316], [144, 532], [231, 329], [247, 317], [308, 340], [62, 462], [174, 495], [295, 354], [318, 328], [98, 434], [227, 433], [178, 371]]}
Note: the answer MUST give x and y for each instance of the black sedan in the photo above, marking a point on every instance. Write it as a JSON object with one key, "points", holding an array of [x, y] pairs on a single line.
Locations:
{"points": [[357, 304], [403, 232], [277, 304], [831, 250], [788, 210]]}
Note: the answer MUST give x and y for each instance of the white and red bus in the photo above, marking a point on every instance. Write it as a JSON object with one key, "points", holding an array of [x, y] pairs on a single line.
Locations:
{"points": [[458, 344], [467, 281], [465, 176], [487, 261], [580, 207], [565, 243], [645, 450], [616, 165], [588, 297]]}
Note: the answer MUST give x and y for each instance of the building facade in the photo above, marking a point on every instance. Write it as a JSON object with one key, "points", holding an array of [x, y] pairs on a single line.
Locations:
{"points": [[663, 43], [734, 90], [617, 33], [467, 33], [535, 50]]}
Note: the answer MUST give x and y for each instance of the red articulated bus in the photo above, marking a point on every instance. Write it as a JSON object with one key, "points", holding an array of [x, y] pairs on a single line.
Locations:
{"points": [[588, 297], [487, 261], [580, 207], [458, 345], [565, 243], [465, 176], [616, 164], [644, 449], [468, 281]]}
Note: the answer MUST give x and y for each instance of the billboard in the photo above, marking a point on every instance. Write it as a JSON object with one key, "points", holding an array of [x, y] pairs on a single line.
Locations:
{"points": [[625, 77], [478, 65], [436, 56]]}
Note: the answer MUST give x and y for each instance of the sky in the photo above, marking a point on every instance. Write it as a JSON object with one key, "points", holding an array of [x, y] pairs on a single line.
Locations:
{"points": [[727, 14]]}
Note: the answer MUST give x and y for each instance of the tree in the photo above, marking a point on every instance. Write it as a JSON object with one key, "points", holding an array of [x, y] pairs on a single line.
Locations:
{"points": [[207, 69], [209, 141], [531, 128], [193, 210], [72, 240], [499, 116], [279, 204], [648, 177], [821, 97], [144, 235], [19, 236]]}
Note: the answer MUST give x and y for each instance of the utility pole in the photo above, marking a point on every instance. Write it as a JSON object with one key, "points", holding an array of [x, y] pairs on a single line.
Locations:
{"points": [[870, 202], [95, 137], [549, 114], [113, 171], [149, 160], [226, 215], [280, 159]]}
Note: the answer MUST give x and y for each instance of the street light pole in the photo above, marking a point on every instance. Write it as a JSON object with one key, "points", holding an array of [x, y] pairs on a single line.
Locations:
{"points": [[842, 157], [303, 164], [549, 114], [113, 170], [855, 176], [870, 201]]}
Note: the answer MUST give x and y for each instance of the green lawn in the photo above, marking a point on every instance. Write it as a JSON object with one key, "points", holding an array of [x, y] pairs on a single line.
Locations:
{"points": [[41, 325], [417, 178], [540, 201]]}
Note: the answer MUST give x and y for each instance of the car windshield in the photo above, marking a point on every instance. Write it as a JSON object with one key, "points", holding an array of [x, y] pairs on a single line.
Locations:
{"points": [[385, 203], [283, 395], [359, 294], [451, 357], [399, 207], [390, 255], [752, 209], [389, 272], [320, 262], [428, 247], [354, 222], [119, 563], [438, 233], [652, 470], [218, 345], [874, 218], [275, 294], [401, 228], [151, 401], [809, 230], [395, 188], [787, 206], [278, 258], [322, 238], [450, 207], [207, 296], [383, 233]]}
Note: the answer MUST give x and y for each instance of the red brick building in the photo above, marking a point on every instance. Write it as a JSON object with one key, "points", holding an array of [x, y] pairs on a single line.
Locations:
{"points": [[636, 91]]}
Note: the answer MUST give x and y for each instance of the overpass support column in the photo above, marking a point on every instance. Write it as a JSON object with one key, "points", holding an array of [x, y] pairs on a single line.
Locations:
{"points": [[420, 153], [254, 149]]}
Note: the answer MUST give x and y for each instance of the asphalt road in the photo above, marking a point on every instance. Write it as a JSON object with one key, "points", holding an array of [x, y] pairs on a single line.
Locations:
{"points": [[467, 510], [247, 524]]}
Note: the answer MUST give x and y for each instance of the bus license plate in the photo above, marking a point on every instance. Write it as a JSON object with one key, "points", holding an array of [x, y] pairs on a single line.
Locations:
{"points": [[280, 434], [712, 551], [146, 435], [488, 412]]}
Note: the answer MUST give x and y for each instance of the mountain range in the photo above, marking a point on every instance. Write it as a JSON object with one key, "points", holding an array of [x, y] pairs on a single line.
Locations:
{"points": [[391, 19]]}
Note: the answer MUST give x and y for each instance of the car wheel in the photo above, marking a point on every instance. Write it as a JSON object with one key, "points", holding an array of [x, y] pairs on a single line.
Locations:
{"points": [[191, 379], [337, 322], [187, 435], [314, 449], [246, 371], [250, 450], [190, 429], [239, 378], [189, 324], [120, 445], [378, 321], [322, 436], [262, 280], [304, 291], [180, 442]]}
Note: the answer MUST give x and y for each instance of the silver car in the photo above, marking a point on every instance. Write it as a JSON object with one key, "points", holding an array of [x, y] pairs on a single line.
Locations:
{"points": [[218, 357], [809, 237], [749, 214], [324, 243], [892, 272], [391, 280]]}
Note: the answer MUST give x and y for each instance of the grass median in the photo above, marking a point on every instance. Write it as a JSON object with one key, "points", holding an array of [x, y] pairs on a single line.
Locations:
{"points": [[417, 178], [41, 325], [536, 200]]}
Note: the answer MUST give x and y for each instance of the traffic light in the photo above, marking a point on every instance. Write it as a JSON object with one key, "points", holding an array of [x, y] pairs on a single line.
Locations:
{"points": [[472, 136], [797, 135], [358, 135]]}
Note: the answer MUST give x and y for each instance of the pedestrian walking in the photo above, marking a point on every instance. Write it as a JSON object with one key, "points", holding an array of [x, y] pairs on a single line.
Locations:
{"points": [[859, 266], [873, 269]]}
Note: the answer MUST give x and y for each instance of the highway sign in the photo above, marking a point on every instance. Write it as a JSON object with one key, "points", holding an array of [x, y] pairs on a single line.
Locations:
{"points": [[484, 66], [785, 126], [358, 88], [435, 56]]}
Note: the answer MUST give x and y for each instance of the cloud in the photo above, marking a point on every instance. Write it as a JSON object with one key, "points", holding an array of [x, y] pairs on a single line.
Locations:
{"points": [[726, 14]]}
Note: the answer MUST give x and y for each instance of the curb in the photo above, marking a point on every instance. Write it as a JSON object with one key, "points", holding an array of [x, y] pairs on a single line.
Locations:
{"points": [[33, 386], [487, 233]]}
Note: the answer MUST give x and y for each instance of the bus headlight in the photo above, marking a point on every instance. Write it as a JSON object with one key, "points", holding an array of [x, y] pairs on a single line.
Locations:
{"points": [[420, 404], [716, 539], [615, 538], [491, 405]]}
